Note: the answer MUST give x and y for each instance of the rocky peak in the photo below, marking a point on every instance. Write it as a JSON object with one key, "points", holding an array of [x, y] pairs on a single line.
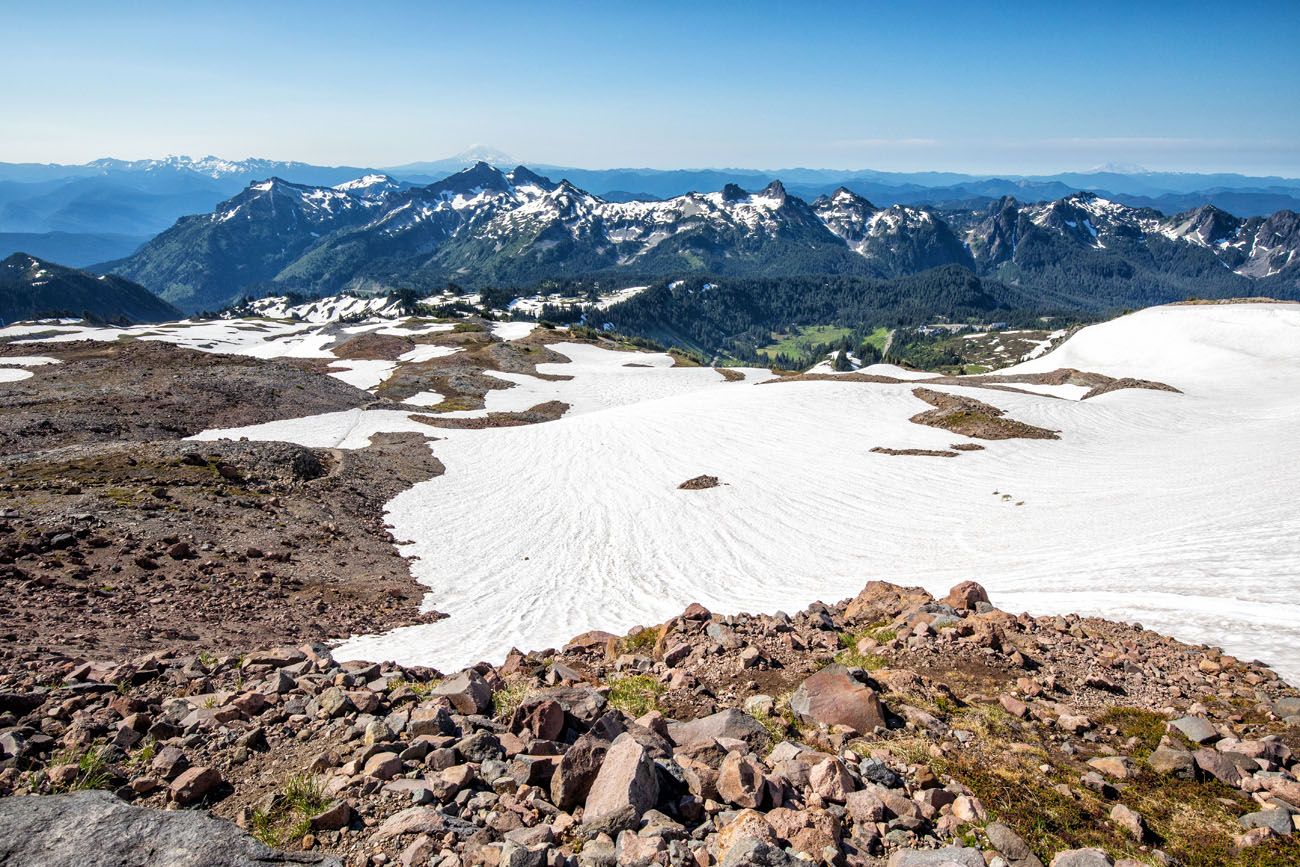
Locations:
{"points": [[733, 193]]}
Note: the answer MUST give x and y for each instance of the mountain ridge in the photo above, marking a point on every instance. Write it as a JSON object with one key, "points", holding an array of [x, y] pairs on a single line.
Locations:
{"points": [[31, 288], [482, 226]]}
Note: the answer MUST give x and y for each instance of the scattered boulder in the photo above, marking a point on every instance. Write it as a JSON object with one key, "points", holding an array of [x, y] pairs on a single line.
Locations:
{"points": [[625, 787], [467, 692], [728, 723], [833, 697], [194, 785], [966, 596]]}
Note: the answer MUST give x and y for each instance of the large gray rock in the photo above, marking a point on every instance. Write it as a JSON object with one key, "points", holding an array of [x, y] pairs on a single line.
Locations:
{"points": [[832, 697], [1011, 845], [467, 692], [1082, 858], [1277, 818], [729, 723], [753, 852], [97, 828], [625, 788], [1196, 729]]}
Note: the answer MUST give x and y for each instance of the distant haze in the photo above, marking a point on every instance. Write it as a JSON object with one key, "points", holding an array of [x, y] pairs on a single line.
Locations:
{"points": [[1037, 88]]}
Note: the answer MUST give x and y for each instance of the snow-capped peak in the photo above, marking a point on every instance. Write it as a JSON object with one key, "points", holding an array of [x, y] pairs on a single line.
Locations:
{"points": [[368, 185], [1117, 169]]}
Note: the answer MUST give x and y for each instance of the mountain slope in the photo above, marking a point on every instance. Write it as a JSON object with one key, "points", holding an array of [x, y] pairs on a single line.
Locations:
{"points": [[209, 260], [484, 227], [34, 289]]}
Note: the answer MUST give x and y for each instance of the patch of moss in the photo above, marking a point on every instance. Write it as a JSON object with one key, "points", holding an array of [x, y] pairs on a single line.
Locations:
{"points": [[1147, 727]]}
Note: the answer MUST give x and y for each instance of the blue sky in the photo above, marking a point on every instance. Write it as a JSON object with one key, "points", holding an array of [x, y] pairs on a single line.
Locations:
{"points": [[1020, 87]]}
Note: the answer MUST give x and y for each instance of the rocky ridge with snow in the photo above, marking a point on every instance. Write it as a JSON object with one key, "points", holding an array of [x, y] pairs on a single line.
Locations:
{"points": [[483, 224]]}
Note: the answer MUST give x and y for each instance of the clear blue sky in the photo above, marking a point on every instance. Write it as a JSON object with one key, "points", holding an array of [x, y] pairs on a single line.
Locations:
{"points": [[1022, 87]]}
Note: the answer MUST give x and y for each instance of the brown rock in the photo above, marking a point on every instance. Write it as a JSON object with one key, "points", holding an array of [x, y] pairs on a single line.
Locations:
{"points": [[467, 691], [831, 697], [696, 612], [966, 595], [1129, 821], [194, 784], [577, 771], [747, 824], [1218, 765], [865, 806], [880, 600], [332, 818], [625, 787], [740, 781], [831, 780]]}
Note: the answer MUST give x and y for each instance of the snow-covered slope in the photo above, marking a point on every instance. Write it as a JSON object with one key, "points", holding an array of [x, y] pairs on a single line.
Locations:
{"points": [[1173, 509]]}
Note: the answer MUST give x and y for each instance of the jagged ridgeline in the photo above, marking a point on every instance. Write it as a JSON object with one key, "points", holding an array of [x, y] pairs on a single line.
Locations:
{"points": [[510, 231]]}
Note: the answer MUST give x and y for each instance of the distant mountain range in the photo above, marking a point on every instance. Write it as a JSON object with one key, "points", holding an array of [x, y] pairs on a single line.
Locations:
{"points": [[116, 205], [487, 228], [34, 289]]}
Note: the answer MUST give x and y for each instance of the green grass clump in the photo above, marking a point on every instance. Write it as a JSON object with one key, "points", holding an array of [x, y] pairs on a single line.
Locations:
{"points": [[854, 658], [641, 640], [422, 689], [93, 771], [467, 328], [509, 697], [289, 818], [635, 694]]}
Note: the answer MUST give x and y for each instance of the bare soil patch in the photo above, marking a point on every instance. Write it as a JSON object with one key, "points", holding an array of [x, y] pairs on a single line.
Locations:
{"points": [[973, 418], [542, 412], [146, 390], [123, 548], [386, 347], [699, 483], [924, 453]]}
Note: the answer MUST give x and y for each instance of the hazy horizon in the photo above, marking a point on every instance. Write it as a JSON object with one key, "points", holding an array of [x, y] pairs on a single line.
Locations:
{"points": [[839, 85]]}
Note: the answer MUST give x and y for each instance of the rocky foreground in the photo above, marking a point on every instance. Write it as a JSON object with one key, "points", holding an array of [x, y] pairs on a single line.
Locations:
{"points": [[892, 728]]}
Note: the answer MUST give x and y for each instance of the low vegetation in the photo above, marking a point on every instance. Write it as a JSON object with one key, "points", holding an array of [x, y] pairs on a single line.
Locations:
{"points": [[288, 817], [635, 694]]}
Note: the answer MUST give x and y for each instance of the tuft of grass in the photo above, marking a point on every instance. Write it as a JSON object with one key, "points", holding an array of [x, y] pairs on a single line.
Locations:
{"points": [[289, 818], [853, 658], [635, 694], [422, 689], [467, 328], [781, 721], [144, 755], [641, 640], [509, 697], [1194, 822], [93, 771]]}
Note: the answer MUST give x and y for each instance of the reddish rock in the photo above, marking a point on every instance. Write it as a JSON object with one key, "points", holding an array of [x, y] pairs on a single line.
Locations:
{"points": [[626, 786], [831, 697], [740, 781], [194, 784], [966, 595]]}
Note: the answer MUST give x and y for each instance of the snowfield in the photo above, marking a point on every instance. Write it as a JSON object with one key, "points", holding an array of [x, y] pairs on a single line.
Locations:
{"points": [[1174, 510]]}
